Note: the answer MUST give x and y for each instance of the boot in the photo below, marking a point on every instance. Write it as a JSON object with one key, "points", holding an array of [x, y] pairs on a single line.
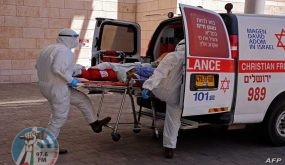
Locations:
{"points": [[98, 124], [62, 151], [168, 152]]}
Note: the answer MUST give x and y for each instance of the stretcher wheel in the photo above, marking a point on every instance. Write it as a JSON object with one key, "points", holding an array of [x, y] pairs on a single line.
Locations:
{"points": [[116, 136], [156, 133], [137, 130]]}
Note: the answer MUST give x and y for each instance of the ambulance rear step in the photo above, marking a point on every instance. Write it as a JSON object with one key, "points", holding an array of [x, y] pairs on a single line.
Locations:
{"points": [[185, 123]]}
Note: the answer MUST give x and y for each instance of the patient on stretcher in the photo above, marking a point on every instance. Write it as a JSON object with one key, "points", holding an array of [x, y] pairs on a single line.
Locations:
{"points": [[115, 72], [118, 72]]}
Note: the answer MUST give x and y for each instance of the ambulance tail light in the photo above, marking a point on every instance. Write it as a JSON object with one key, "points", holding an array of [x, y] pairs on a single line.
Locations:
{"points": [[234, 46]]}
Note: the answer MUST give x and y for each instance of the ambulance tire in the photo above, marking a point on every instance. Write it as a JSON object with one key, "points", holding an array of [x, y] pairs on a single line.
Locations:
{"points": [[275, 119]]}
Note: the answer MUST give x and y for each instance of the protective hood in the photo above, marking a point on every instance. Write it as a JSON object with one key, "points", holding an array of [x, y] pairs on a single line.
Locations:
{"points": [[68, 37], [180, 46]]}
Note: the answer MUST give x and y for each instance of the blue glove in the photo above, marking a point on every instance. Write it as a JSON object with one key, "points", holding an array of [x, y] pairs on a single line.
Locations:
{"points": [[145, 94], [74, 83], [144, 71]]}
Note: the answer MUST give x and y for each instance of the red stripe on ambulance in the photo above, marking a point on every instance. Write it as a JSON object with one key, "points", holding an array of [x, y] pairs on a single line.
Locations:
{"points": [[261, 66], [209, 65]]}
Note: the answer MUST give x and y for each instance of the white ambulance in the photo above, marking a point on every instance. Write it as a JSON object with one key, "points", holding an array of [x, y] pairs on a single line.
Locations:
{"points": [[234, 72]]}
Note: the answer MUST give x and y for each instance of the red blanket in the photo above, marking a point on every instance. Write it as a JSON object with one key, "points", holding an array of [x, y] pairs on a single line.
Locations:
{"points": [[99, 75]]}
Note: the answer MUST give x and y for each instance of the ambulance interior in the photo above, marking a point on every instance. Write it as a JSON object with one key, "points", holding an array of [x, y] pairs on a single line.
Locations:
{"points": [[167, 38]]}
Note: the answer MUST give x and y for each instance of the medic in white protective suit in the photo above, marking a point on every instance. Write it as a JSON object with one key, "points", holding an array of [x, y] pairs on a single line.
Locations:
{"points": [[54, 68], [165, 84]]}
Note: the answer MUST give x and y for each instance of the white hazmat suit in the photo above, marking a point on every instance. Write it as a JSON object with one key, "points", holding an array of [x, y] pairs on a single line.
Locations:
{"points": [[54, 68], [165, 84]]}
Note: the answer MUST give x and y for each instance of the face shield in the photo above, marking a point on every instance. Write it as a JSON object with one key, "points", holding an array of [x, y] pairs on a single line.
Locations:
{"points": [[68, 37]]}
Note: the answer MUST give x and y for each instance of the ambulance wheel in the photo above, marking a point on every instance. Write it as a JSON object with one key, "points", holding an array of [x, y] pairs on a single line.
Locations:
{"points": [[116, 136], [275, 124]]}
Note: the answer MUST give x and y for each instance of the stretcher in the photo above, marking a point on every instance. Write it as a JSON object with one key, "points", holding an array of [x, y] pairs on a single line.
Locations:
{"points": [[153, 107], [131, 88], [119, 87]]}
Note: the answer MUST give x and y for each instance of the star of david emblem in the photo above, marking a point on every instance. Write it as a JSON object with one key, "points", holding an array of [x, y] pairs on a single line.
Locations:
{"points": [[281, 43], [225, 85]]}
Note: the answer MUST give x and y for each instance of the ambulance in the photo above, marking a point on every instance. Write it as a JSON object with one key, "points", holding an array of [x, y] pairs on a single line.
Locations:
{"points": [[234, 70]]}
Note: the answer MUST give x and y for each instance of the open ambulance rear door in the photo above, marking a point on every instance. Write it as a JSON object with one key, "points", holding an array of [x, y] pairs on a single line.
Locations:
{"points": [[209, 73], [116, 37]]}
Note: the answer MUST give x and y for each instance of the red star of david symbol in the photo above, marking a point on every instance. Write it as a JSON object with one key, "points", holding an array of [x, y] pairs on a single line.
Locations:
{"points": [[225, 85], [279, 37]]}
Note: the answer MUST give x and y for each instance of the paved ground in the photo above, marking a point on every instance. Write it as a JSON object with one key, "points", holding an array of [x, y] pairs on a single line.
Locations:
{"points": [[21, 106]]}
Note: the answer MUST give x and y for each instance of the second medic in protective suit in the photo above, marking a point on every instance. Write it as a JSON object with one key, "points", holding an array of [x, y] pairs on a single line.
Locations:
{"points": [[54, 68], [165, 84]]}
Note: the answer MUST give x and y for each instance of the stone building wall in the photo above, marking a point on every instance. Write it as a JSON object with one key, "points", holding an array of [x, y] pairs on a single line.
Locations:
{"points": [[149, 14], [26, 26]]}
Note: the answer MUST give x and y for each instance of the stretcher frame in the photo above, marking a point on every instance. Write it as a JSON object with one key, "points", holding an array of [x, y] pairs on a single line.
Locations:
{"points": [[130, 90], [125, 90]]}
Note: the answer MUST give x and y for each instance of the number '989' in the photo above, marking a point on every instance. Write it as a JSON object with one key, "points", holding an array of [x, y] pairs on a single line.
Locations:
{"points": [[256, 93]]}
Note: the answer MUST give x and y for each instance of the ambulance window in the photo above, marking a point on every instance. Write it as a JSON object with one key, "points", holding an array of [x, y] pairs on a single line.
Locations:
{"points": [[119, 38], [168, 38], [207, 34]]}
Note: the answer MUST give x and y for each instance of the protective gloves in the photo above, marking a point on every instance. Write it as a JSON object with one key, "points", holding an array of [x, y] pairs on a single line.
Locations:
{"points": [[145, 94], [74, 83], [144, 71]]}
